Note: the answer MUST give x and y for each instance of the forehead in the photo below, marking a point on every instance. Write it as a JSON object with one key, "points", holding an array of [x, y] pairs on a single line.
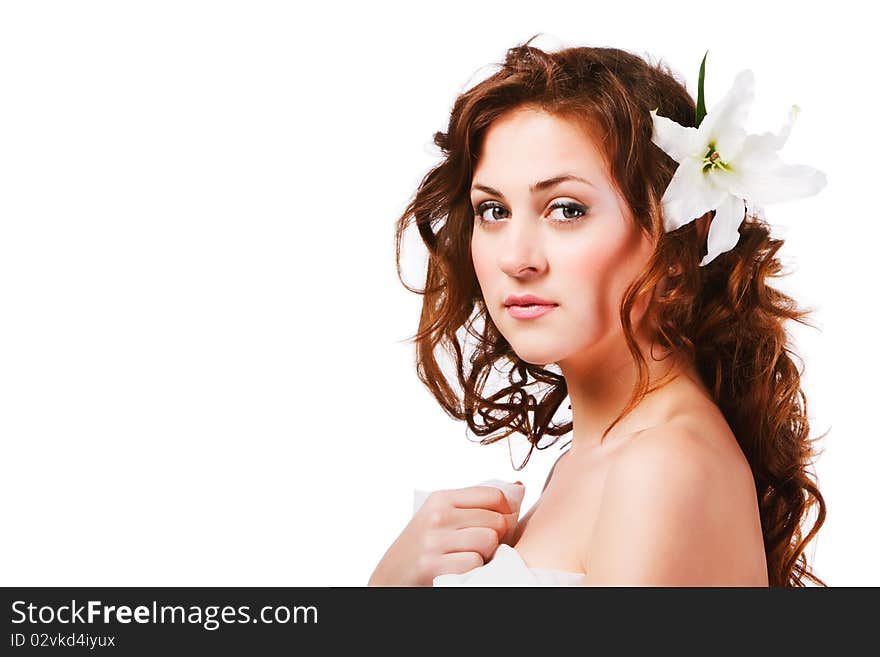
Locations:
{"points": [[529, 143]]}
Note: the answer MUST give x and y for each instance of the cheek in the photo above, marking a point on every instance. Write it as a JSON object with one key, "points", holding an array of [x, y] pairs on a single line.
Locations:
{"points": [[600, 270], [476, 255], [482, 264]]}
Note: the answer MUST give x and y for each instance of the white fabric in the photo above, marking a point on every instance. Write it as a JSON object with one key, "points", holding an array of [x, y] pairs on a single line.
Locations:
{"points": [[506, 567]]}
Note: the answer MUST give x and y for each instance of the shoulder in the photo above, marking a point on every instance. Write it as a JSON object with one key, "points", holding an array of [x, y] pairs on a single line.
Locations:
{"points": [[667, 477], [674, 457], [661, 515]]}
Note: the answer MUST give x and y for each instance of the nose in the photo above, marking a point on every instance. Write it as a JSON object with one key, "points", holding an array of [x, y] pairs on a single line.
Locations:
{"points": [[522, 251]]}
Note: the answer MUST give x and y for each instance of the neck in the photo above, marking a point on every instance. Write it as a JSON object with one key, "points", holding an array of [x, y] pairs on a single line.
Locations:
{"points": [[601, 383]]}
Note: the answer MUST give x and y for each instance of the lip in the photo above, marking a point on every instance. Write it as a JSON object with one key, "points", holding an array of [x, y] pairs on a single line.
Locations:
{"points": [[527, 300], [530, 312]]}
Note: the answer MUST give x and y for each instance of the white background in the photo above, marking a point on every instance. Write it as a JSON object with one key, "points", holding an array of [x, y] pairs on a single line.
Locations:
{"points": [[204, 373]]}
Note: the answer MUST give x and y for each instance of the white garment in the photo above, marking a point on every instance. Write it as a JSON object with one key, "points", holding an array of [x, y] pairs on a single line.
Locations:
{"points": [[506, 567]]}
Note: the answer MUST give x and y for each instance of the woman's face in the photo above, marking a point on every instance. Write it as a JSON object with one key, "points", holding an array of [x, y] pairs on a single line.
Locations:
{"points": [[572, 243]]}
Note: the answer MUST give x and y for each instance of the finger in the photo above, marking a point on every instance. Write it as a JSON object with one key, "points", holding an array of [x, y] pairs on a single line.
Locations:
{"points": [[459, 562], [471, 539], [500, 522], [480, 497]]}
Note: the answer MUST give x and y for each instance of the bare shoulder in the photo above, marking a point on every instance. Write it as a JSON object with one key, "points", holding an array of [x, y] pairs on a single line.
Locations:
{"points": [[670, 474], [677, 509], [681, 456]]}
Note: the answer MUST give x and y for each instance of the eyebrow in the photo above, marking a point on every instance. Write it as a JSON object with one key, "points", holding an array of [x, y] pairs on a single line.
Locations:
{"points": [[538, 186]]}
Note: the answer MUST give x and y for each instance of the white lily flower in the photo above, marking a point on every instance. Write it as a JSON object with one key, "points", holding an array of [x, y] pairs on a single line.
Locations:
{"points": [[722, 168]]}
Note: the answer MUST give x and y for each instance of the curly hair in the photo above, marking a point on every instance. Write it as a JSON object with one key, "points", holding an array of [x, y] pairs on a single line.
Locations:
{"points": [[723, 316]]}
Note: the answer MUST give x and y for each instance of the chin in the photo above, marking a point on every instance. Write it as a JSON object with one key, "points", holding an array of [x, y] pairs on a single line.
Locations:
{"points": [[536, 355]]}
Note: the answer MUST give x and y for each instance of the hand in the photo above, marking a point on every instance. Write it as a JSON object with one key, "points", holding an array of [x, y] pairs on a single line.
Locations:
{"points": [[454, 531]]}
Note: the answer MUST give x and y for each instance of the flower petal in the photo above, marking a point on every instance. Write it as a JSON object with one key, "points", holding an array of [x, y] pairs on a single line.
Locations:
{"points": [[758, 174], [676, 140], [724, 228], [769, 141], [729, 141], [690, 195], [755, 210], [763, 178], [725, 122]]}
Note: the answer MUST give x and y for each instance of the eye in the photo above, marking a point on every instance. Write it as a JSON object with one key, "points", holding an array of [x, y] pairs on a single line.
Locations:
{"points": [[566, 207], [481, 209], [575, 207]]}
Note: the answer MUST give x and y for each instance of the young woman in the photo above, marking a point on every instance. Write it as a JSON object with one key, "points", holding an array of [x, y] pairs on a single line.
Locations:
{"points": [[545, 228]]}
